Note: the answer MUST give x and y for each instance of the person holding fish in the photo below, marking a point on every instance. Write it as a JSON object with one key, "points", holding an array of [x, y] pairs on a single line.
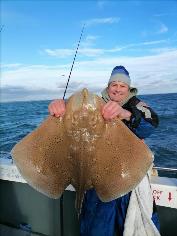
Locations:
{"points": [[104, 219]]}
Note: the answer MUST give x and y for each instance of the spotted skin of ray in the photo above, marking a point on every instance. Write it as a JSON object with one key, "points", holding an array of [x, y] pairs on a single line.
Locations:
{"points": [[84, 150]]}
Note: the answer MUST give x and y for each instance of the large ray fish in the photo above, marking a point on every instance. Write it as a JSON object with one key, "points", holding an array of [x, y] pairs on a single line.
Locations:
{"points": [[84, 150]]}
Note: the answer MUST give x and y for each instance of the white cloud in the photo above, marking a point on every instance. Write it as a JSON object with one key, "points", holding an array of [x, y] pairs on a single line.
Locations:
{"points": [[10, 66], [161, 14], [162, 50], [89, 41], [87, 51], [154, 42], [60, 52], [151, 74], [64, 53], [163, 29], [91, 52], [101, 4], [144, 33], [160, 28], [18, 18], [166, 14], [96, 21]]}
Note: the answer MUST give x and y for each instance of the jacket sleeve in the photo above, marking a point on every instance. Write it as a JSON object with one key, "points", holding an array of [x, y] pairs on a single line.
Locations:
{"points": [[148, 114], [144, 129], [148, 121]]}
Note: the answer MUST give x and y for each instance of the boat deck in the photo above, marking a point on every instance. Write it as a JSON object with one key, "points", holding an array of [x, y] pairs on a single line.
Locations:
{"points": [[21, 204]]}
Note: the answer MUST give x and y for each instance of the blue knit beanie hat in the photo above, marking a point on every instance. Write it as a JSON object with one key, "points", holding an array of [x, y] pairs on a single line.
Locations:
{"points": [[119, 73]]}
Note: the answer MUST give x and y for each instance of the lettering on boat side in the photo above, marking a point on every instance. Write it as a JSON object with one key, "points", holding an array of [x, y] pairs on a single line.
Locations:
{"points": [[11, 173], [169, 196], [165, 195], [157, 194]]}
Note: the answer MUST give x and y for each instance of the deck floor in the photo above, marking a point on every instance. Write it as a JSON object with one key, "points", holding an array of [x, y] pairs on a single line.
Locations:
{"points": [[10, 231]]}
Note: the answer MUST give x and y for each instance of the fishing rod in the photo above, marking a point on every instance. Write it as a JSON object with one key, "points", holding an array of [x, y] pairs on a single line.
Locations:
{"points": [[61, 198], [73, 62]]}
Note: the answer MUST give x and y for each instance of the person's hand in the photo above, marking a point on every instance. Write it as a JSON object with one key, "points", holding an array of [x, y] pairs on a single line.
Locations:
{"points": [[112, 110], [57, 108]]}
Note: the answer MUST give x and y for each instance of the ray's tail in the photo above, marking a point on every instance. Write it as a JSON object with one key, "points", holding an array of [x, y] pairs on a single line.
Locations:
{"points": [[79, 201]]}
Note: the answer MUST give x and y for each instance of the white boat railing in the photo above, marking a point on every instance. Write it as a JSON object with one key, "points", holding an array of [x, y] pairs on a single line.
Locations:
{"points": [[165, 168]]}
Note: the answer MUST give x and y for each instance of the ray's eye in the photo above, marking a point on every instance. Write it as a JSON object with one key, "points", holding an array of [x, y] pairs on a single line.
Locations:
{"points": [[75, 119], [75, 116], [93, 119]]}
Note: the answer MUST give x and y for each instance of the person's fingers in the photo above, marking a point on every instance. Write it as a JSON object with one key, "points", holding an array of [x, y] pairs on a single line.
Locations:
{"points": [[104, 107], [107, 115], [116, 109], [50, 109], [60, 109], [110, 106], [113, 115], [60, 112], [112, 111], [57, 108]]}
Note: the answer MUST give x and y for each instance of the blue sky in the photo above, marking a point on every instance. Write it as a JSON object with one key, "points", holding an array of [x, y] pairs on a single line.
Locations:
{"points": [[39, 39]]}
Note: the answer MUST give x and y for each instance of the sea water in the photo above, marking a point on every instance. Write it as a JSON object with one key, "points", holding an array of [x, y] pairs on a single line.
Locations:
{"points": [[17, 119]]}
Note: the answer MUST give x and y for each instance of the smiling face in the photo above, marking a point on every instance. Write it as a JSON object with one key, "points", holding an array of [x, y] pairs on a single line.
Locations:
{"points": [[118, 91]]}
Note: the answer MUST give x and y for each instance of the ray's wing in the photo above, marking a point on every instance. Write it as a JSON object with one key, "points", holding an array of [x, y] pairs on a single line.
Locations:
{"points": [[41, 158], [122, 160]]}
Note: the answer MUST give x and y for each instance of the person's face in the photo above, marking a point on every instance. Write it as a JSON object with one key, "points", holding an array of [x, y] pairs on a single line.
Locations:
{"points": [[118, 91]]}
